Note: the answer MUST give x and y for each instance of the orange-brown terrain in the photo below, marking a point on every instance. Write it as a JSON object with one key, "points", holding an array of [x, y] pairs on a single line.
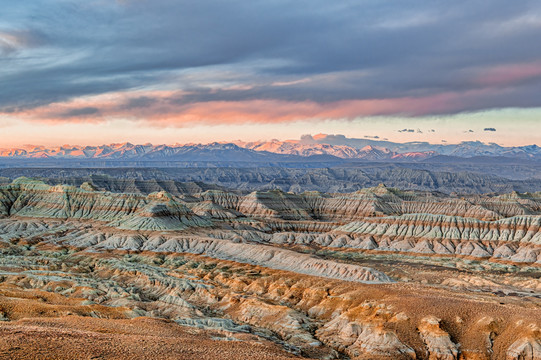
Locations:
{"points": [[376, 274]]}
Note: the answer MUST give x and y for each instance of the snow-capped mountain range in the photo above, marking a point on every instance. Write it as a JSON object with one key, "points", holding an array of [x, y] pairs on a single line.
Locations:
{"points": [[368, 152], [466, 149], [319, 146]]}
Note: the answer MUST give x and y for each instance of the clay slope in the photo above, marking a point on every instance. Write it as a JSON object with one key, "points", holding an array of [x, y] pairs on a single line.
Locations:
{"points": [[63, 300], [505, 227], [376, 274], [157, 211]]}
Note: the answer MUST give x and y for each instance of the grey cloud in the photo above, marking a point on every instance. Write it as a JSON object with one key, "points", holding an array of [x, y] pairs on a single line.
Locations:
{"points": [[84, 111], [489, 129], [139, 102], [346, 51], [12, 41]]}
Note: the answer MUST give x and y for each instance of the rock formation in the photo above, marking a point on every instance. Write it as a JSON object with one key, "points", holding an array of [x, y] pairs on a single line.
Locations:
{"points": [[376, 274]]}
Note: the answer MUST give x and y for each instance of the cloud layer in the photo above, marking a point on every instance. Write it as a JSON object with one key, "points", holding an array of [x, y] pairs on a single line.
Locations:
{"points": [[179, 62]]}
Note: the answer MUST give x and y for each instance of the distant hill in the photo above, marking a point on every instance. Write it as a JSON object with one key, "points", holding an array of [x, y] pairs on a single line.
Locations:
{"points": [[178, 181]]}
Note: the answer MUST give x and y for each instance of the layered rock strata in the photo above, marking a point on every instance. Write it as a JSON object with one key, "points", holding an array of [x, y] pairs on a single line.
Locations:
{"points": [[376, 274]]}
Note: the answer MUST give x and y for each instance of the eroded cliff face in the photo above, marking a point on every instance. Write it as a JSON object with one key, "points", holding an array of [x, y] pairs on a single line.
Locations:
{"points": [[495, 228], [376, 274]]}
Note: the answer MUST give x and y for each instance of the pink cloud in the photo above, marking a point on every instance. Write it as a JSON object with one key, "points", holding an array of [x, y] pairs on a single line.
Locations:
{"points": [[503, 75], [164, 109]]}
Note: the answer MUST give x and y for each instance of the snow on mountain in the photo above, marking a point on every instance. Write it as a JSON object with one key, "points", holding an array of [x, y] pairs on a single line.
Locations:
{"points": [[463, 149], [295, 148], [127, 151], [415, 155], [275, 150], [368, 152]]}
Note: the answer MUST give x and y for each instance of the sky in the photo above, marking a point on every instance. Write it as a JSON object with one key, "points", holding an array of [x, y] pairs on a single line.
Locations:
{"points": [[175, 71]]}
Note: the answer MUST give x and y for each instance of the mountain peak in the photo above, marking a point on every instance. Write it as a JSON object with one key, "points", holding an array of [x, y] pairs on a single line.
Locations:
{"points": [[362, 149]]}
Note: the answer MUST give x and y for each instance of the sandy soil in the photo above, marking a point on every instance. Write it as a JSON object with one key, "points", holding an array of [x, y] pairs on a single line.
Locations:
{"points": [[76, 337]]}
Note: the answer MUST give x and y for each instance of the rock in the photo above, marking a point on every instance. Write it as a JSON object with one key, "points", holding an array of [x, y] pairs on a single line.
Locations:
{"points": [[363, 340], [437, 341], [525, 349]]}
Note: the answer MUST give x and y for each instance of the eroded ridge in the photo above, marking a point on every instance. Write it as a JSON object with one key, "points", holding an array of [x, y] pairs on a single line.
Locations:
{"points": [[376, 274]]}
